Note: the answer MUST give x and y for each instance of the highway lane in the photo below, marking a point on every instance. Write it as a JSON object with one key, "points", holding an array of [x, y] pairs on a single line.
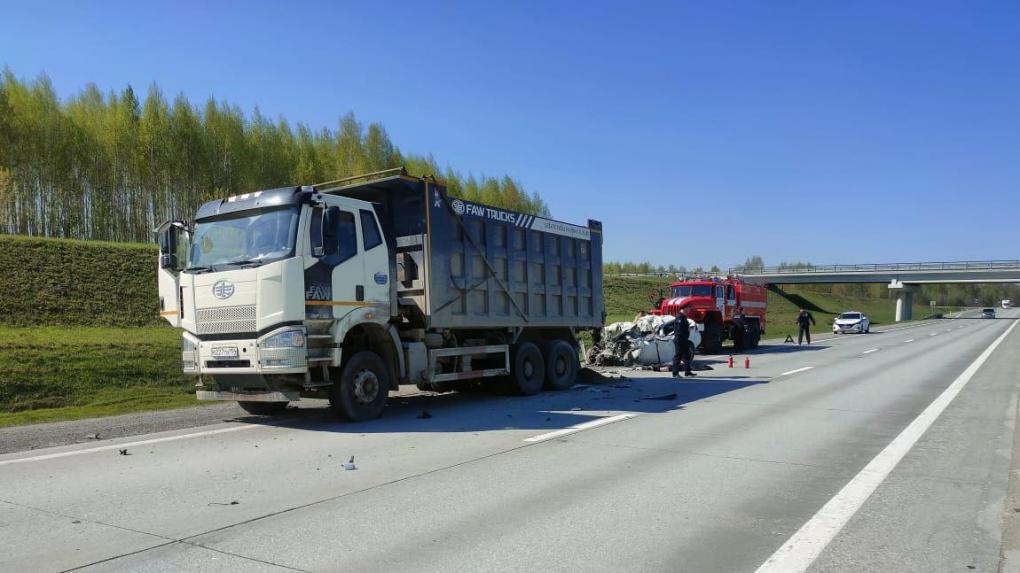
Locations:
{"points": [[715, 478]]}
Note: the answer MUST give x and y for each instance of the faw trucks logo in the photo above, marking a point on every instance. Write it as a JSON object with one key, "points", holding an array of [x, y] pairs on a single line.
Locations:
{"points": [[223, 289], [458, 206]]}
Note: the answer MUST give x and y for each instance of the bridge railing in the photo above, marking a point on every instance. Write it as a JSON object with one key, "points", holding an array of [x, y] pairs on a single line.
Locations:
{"points": [[879, 267]]}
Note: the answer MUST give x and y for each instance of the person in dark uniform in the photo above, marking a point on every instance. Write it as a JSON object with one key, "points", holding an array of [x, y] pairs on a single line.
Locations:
{"points": [[739, 328], [681, 345], [804, 321]]}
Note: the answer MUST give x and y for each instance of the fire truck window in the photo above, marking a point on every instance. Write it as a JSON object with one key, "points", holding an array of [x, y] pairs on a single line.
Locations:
{"points": [[729, 293]]}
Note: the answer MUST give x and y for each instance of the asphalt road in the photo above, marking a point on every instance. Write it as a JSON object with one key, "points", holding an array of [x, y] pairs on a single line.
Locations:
{"points": [[715, 474]]}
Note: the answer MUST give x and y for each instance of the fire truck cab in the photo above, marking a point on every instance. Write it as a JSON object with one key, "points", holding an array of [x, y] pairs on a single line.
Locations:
{"points": [[714, 302]]}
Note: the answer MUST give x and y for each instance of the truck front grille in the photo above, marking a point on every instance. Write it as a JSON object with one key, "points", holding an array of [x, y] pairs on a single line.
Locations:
{"points": [[226, 319]]}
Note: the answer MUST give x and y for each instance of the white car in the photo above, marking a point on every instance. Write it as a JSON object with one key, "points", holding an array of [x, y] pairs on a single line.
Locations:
{"points": [[851, 321]]}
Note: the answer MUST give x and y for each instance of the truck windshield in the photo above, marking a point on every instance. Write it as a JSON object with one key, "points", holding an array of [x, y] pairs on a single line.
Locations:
{"points": [[696, 290], [246, 237]]}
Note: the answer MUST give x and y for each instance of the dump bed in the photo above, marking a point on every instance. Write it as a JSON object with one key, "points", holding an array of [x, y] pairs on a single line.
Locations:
{"points": [[468, 265]]}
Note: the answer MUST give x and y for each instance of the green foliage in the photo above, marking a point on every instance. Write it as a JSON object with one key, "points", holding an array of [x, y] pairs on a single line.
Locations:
{"points": [[77, 283], [57, 367], [111, 167]]}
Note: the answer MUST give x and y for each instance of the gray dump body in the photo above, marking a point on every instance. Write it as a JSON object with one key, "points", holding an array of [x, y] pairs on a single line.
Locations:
{"points": [[464, 265]]}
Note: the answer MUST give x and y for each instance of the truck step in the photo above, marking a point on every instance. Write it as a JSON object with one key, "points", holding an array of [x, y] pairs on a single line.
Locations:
{"points": [[321, 359]]}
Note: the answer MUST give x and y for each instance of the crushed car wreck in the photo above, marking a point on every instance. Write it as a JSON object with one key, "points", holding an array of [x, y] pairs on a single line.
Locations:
{"points": [[646, 342]]}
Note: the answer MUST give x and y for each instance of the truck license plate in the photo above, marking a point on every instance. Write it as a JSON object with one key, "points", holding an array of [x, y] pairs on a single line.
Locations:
{"points": [[224, 352]]}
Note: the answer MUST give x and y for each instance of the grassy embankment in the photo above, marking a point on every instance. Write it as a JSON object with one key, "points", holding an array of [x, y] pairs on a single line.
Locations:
{"points": [[79, 332], [80, 336]]}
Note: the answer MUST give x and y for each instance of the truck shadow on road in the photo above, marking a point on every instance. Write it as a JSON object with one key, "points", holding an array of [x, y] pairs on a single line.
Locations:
{"points": [[481, 411]]}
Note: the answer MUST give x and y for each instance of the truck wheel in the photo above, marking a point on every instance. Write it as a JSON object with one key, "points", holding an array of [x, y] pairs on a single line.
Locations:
{"points": [[528, 374], [560, 365], [363, 388], [753, 335], [263, 408], [711, 338]]}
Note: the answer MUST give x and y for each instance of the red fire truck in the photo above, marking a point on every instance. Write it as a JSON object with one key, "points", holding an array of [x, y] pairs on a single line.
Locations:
{"points": [[713, 302]]}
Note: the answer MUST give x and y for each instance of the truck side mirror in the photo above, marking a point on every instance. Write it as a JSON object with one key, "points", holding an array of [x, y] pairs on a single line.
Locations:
{"points": [[325, 242], [171, 238]]}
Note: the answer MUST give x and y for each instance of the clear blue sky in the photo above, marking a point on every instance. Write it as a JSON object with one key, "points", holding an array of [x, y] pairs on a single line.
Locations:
{"points": [[699, 132]]}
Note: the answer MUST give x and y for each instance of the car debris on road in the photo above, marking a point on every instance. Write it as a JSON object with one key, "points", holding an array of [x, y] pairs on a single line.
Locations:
{"points": [[646, 342]]}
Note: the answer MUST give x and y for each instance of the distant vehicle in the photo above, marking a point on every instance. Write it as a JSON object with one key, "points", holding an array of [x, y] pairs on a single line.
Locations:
{"points": [[1006, 303], [851, 321], [988, 313]]}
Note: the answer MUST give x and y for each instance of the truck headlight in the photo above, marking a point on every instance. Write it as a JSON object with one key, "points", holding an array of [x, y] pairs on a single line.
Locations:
{"points": [[292, 338]]}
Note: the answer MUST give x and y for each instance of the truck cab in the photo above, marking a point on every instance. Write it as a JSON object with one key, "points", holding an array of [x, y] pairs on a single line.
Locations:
{"points": [[232, 282]]}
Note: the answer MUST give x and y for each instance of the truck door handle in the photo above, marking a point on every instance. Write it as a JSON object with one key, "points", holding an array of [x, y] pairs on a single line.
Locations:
{"points": [[359, 292]]}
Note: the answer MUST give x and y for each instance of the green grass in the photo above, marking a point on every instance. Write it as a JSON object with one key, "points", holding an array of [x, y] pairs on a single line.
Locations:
{"points": [[54, 373]]}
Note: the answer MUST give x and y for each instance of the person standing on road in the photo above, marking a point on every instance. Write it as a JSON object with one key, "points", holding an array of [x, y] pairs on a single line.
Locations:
{"points": [[804, 321], [682, 345], [739, 328]]}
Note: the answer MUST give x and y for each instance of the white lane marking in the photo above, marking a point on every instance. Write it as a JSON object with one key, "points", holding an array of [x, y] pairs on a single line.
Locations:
{"points": [[804, 369], [580, 427], [128, 445], [934, 334], [801, 550], [909, 340], [870, 351]]}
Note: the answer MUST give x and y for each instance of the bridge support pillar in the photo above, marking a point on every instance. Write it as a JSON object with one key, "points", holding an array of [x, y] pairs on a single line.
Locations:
{"points": [[904, 299]]}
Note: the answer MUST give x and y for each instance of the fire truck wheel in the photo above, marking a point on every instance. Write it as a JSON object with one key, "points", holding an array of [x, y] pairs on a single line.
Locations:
{"points": [[560, 365], [528, 373], [263, 408], [363, 388]]}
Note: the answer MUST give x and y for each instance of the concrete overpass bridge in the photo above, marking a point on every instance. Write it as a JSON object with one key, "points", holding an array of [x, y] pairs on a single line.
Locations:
{"points": [[904, 278]]}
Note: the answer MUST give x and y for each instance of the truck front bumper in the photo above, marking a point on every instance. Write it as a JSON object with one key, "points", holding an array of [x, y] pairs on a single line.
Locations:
{"points": [[240, 357], [269, 396]]}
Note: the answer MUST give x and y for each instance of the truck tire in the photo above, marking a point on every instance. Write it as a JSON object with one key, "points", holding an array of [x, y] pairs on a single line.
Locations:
{"points": [[753, 335], [528, 373], [560, 365], [362, 389], [711, 338], [263, 408]]}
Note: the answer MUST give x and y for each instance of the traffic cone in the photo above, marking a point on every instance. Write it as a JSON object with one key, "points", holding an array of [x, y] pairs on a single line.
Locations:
{"points": [[747, 362], [731, 362]]}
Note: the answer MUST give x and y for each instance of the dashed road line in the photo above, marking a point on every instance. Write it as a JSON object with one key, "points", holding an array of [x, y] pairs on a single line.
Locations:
{"points": [[580, 427], [870, 351], [804, 369]]}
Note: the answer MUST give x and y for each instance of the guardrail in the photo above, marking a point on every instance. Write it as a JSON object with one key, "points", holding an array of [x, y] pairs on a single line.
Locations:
{"points": [[927, 266]]}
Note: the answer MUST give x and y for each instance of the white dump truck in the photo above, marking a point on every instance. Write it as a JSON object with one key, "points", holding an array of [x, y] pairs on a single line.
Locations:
{"points": [[348, 289]]}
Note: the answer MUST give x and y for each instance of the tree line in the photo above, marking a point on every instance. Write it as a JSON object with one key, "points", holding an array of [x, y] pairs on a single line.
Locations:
{"points": [[111, 166]]}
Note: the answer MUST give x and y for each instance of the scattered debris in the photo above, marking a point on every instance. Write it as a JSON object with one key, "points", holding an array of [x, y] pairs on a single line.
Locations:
{"points": [[548, 419], [575, 409], [663, 397], [235, 502], [76, 521], [424, 415], [94, 436], [621, 386], [350, 464], [580, 386], [124, 452]]}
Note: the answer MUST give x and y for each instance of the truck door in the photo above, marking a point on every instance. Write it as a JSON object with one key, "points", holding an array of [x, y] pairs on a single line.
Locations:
{"points": [[720, 301], [376, 258], [334, 283], [174, 239]]}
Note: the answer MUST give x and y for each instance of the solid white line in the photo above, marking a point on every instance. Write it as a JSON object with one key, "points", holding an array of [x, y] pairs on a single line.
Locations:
{"points": [[128, 445], [870, 351], [579, 427], [804, 369], [801, 550]]}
